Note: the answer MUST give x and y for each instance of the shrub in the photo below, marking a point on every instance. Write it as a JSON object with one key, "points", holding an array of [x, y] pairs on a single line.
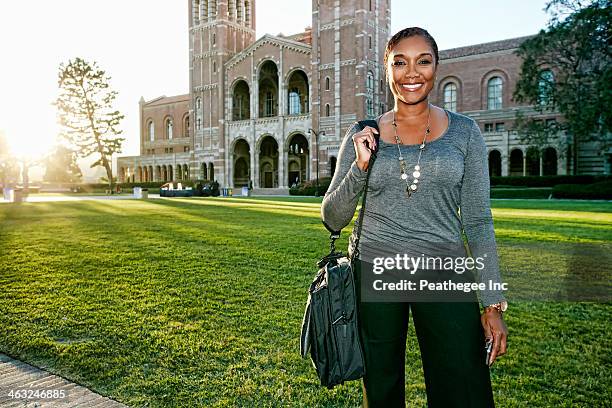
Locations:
{"points": [[595, 191], [545, 181], [309, 188]]}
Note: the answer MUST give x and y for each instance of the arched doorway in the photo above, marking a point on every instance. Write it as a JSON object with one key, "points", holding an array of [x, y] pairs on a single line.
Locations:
{"points": [[179, 173], [549, 165], [203, 171], [164, 173], [211, 171], [268, 90], [516, 162], [533, 161], [268, 162], [332, 165], [297, 88], [297, 159], [494, 163], [241, 100], [242, 161]]}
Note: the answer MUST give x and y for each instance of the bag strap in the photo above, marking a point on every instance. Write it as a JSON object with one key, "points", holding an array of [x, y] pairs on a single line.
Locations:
{"points": [[334, 235], [363, 124]]}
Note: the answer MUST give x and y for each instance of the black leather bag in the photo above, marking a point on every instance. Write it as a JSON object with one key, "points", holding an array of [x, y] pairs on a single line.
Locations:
{"points": [[330, 331]]}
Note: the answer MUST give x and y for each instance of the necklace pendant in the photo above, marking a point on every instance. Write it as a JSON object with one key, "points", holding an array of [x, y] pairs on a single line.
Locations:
{"points": [[422, 146], [404, 176]]}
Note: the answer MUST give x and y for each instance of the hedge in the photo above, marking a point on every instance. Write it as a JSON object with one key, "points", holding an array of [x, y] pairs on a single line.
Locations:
{"points": [[595, 191], [521, 192], [309, 188], [545, 181]]}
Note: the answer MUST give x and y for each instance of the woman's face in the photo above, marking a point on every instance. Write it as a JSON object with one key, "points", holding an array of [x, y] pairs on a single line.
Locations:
{"points": [[411, 70]]}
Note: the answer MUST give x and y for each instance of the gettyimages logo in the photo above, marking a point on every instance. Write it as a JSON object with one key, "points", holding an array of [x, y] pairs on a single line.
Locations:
{"points": [[410, 264]]}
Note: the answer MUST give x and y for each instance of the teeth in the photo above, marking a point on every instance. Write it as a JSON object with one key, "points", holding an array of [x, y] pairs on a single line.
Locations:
{"points": [[412, 87]]}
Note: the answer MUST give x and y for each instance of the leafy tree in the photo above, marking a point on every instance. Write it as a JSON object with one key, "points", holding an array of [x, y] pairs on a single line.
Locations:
{"points": [[61, 166], [9, 168], [566, 69], [85, 110]]}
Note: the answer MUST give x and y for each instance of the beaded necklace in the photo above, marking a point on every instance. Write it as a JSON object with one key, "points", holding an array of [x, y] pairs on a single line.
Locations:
{"points": [[411, 187]]}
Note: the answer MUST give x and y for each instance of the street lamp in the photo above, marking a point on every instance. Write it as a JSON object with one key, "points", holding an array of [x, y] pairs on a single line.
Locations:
{"points": [[316, 135]]}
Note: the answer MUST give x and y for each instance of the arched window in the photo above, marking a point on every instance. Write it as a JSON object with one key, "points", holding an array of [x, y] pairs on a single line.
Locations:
{"points": [[151, 130], [327, 83], [370, 82], [198, 113], [169, 127], [494, 93], [186, 126], [327, 109], [450, 96], [294, 102], [546, 83], [196, 12], [247, 12]]}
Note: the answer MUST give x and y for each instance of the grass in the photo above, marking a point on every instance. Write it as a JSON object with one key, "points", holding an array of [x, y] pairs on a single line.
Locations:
{"points": [[198, 302]]}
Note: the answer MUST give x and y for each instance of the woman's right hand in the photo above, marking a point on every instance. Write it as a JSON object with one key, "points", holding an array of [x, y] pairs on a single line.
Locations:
{"points": [[361, 141]]}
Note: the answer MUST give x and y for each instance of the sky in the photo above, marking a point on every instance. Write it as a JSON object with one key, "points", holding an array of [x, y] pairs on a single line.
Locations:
{"points": [[143, 46]]}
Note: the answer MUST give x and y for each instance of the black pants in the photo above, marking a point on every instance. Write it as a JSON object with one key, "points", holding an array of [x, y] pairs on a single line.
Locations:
{"points": [[451, 340]]}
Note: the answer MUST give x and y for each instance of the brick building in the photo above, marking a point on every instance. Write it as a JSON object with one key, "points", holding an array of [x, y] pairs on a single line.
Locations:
{"points": [[253, 103]]}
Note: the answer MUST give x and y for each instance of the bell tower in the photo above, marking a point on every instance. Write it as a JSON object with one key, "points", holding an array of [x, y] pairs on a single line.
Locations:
{"points": [[218, 29], [348, 76]]}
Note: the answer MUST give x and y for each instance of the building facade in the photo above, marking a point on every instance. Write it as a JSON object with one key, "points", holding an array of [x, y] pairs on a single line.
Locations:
{"points": [[271, 112]]}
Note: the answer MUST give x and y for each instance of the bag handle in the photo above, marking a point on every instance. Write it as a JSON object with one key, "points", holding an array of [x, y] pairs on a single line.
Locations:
{"points": [[334, 235]]}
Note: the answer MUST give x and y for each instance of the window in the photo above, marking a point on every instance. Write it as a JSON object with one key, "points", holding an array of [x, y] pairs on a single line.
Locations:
{"points": [[327, 83], [369, 107], [166, 150], [269, 106], [494, 93], [172, 150], [450, 97], [370, 41], [500, 127], [488, 127], [294, 102], [198, 124], [214, 39], [370, 82], [186, 149], [214, 66], [327, 109], [169, 127], [151, 131], [381, 85], [186, 126], [545, 87]]}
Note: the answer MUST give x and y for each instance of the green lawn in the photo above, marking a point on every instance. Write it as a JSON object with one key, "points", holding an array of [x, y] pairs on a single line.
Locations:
{"points": [[199, 302]]}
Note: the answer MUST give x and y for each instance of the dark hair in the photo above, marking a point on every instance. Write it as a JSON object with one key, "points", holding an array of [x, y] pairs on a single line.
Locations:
{"points": [[411, 32]]}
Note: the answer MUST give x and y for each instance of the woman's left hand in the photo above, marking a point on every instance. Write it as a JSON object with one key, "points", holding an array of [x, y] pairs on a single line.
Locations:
{"points": [[494, 326]]}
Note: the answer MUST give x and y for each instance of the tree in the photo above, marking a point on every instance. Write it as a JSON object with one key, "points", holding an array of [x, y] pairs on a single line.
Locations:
{"points": [[9, 168], [566, 69], [61, 166], [85, 110]]}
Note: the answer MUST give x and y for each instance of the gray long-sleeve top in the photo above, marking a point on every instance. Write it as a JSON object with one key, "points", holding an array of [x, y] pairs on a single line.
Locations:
{"points": [[453, 194]]}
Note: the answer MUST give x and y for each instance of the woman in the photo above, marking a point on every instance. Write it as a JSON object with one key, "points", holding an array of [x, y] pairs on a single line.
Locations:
{"points": [[429, 163]]}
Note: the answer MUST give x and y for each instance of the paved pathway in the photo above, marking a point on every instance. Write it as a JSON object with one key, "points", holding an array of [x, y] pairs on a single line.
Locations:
{"points": [[16, 375]]}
